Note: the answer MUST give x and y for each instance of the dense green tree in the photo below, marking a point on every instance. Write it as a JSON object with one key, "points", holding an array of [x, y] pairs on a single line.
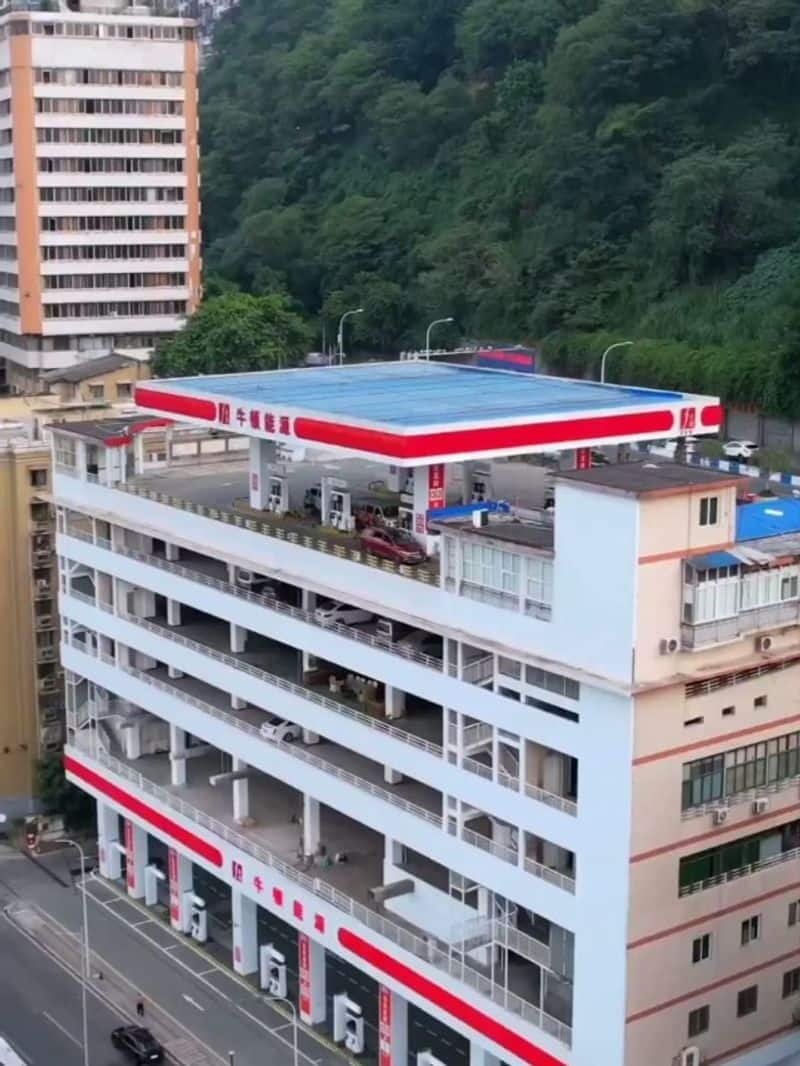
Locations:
{"points": [[557, 171], [235, 331], [59, 796]]}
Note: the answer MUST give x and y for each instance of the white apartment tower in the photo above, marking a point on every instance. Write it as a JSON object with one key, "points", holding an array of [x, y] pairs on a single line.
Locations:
{"points": [[517, 785], [99, 204]]}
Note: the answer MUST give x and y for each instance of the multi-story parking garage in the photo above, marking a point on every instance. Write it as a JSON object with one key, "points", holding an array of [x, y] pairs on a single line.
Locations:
{"points": [[463, 798]]}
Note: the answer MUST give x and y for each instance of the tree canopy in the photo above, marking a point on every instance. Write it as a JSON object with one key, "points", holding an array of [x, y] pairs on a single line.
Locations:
{"points": [[550, 171], [235, 331]]}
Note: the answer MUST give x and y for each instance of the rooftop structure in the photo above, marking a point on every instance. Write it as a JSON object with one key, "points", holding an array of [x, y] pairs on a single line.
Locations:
{"points": [[416, 411], [543, 718]]}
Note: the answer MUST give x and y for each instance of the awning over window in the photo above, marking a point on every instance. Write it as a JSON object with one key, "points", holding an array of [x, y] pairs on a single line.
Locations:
{"points": [[713, 560]]}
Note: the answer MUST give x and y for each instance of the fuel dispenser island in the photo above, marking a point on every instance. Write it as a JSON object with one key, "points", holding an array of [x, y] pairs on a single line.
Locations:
{"points": [[348, 1024], [272, 971]]}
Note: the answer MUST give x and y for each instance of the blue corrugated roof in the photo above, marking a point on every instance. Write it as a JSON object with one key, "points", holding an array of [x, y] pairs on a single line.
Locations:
{"points": [[767, 518], [418, 393], [713, 560]]}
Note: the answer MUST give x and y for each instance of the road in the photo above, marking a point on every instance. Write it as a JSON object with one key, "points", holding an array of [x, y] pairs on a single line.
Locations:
{"points": [[196, 991], [40, 1008]]}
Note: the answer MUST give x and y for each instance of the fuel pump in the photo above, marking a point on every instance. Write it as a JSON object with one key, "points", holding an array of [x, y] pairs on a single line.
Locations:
{"points": [[272, 971], [348, 1024]]}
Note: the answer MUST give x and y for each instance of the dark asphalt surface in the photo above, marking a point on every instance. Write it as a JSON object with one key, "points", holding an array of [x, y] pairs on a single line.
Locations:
{"points": [[40, 1008]]}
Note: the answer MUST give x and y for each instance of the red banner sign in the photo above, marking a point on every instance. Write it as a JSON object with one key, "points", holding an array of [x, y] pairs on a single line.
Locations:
{"points": [[385, 1027], [436, 491], [583, 458], [304, 959], [130, 855], [174, 888]]}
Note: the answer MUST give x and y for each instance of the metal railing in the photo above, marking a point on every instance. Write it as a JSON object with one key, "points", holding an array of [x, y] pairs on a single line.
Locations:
{"points": [[745, 796], [477, 733], [293, 750], [741, 871], [478, 670], [500, 851], [270, 526], [426, 948], [553, 876], [270, 602], [720, 630]]}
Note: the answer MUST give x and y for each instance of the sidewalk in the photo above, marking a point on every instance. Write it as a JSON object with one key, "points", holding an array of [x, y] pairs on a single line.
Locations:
{"points": [[105, 981]]}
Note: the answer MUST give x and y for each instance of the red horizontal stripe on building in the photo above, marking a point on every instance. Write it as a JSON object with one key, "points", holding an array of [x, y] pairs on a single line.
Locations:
{"points": [[726, 830], [719, 738], [175, 404], [493, 438], [154, 818], [446, 1001]]}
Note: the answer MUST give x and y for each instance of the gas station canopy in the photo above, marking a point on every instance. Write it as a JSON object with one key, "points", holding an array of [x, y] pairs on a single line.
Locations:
{"points": [[410, 413]]}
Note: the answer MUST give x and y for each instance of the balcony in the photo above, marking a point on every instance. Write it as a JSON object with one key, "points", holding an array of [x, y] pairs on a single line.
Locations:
{"points": [[273, 841], [720, 631]]}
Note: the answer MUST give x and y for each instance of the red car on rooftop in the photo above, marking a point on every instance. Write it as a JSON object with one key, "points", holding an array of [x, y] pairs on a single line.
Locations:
{"points": [[392, 543]]}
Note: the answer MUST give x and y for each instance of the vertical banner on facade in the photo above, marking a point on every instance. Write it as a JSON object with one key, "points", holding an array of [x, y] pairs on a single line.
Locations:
{"points": [[583, 459], [436, 493], [130, 854], [384, 1027], [174, 887], [304, 963]]}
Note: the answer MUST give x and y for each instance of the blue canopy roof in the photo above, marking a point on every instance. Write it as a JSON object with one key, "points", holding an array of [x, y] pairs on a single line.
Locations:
{"points": [[713, 560]]}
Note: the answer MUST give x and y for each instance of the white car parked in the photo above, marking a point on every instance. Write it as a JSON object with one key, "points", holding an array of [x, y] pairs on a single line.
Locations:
{"points": [[279, 729], [344, 613], [740, 449]]}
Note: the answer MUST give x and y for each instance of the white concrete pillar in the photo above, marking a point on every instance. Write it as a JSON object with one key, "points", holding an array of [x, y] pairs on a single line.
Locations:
{"points": [[238, 638], [311, 824], [180, 882], [172, 552], [391, 777], [238, 703], [173, 612], [144, 603], [311, 964], [262, 455], [132, 740], [135, 858], [108, 834], [395, 702], [244, 912], [479, 1056], [173, 672], [241, 794], [308, 601], [177, 764], [392, 1028]]}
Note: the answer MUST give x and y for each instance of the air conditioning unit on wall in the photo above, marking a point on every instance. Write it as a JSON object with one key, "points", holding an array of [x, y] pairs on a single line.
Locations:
{"points": [[720, 815], [763, 643], [690, 1056], [669, 645], [760, 805]]}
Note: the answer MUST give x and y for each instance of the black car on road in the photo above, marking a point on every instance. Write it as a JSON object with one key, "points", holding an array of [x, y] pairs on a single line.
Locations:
{"points": [[139, 1044]]}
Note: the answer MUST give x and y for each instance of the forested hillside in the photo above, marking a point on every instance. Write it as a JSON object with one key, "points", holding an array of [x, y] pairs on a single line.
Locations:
{"points": [[552, 171]]}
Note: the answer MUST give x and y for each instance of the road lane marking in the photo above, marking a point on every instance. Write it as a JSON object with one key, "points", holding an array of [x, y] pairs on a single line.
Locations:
{"points": [[58, 1025], [193, 1002]]}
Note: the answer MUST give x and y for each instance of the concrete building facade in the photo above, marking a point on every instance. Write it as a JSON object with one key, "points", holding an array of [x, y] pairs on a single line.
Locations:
{"points": [[99, 200], [529, 800]]}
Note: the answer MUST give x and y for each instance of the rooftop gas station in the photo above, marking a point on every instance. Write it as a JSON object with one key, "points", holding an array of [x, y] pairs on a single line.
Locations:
{"points": [[416, 419]]}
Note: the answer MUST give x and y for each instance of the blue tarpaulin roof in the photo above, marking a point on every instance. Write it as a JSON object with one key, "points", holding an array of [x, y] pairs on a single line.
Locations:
{"points": [[713, 560], [767, 518]]}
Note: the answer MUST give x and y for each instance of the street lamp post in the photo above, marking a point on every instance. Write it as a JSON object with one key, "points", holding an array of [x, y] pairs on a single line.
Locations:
{"points": [[436, 322], [610, 348], [288, 1002], [84, 949], [340, 335]]}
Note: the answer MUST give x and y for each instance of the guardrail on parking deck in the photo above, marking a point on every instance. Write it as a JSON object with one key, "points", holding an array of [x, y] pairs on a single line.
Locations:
{"points": [[429, 949], [428, 573]]}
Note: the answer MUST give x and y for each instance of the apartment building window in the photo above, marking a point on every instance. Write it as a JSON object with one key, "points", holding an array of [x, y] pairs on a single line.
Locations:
{"points": [[46, 135], [539, 590], [97, 392], [562, 686], [110, 251], [701, 948], [8, 281], [107, 194], [7, 196], [114, 281], [794, 912], [38, 478], [709, 510], [124, 390], [716, 777], [8, 307], [106, 223], [69, 105], [710, 594], [791, 982], [736, 858], [111, 30], [751, 929], [82, 76], [747, 1001], [698, 1021], [127, 309], [114, 165]]}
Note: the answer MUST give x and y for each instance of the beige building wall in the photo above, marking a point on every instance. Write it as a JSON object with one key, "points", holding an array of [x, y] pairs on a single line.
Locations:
{"points": [[29, 620], [115, 387], [747, 696]]}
